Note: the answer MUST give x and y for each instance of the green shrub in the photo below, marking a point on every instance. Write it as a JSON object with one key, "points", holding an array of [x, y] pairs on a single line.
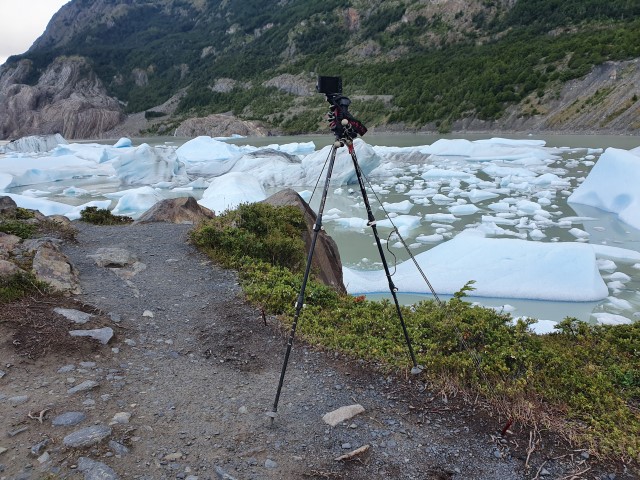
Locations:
{"points": [[19, 285], [103, 216], [18, 228]]}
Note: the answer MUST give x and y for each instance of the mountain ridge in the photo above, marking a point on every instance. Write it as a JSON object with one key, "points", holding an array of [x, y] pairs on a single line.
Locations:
{"points": [[439, 66]]}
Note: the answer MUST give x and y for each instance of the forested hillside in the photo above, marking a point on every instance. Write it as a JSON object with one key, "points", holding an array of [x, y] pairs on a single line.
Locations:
{"points": [[406, 63]]}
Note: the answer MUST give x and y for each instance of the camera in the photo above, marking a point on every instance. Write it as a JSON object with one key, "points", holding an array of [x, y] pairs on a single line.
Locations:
{"points": [[329, 85]]}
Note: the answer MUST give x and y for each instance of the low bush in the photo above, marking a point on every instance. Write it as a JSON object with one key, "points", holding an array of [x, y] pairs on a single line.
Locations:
{"points": [[103, 216]]}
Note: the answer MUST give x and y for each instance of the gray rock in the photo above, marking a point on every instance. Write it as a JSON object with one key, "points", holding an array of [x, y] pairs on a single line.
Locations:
{"points": [[38, 448], [268, 463], [222, 475], [8, 268], [53, 267], [68, 419], [342, 414], [96, 470], [76, 316], [84, 386], [103, 335], [176, 210], [2, 374], [18, 400], [87, 437], [118, 448], [114, 257], [67, 369]]}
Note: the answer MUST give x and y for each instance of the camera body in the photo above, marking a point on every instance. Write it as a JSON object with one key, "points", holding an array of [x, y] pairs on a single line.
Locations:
{"points": [[329, 85]]}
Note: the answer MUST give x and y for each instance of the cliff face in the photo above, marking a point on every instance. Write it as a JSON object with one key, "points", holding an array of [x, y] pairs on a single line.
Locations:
{"points": [[68, 98]]}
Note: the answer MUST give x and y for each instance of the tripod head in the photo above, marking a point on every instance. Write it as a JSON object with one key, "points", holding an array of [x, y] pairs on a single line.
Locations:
{"points": [[344, 125]]}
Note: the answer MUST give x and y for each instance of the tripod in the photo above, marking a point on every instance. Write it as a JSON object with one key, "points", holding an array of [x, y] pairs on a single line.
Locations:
{"points": [[345, 128]]}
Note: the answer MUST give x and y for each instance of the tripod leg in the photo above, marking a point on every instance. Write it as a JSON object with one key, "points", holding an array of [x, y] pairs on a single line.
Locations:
{"points": [[300, 301], [392, 288]]}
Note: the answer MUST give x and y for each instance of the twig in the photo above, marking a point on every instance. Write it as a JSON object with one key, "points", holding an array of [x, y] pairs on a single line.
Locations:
{"points": [[575, 476], [539, 470], [40, 416]]}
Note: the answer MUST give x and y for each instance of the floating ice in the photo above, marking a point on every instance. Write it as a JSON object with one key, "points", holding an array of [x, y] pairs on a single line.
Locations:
{"points": [[206, 156], [612, 185], [230, 190], [136, 201], [271, 167], [343, 172], [123, 143], [400, 207], [48, 207], [504, 268], [604, 318], [149, 165], [468, 209]]}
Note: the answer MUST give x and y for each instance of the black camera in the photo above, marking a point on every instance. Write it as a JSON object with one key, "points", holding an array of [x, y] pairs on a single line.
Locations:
{"points": [[329, 85]]}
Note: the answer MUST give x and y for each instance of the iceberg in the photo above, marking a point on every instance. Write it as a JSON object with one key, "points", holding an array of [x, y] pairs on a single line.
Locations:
{"points": [[343, 171], [146, 165], [507, 268], [230, 190], [612, 185], [207, 156]]}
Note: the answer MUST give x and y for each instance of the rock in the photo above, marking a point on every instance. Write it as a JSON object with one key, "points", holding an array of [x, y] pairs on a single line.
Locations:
{"points": [[172, 457], [8, 241], [222, 475], [268, 463], [121, 417], [37, 449], [18, 400], [218, 126], [3, 450], [8, 206], [76, 316], [326, 257], [2, 373], [95, 470], [114, 257], [147, 313], [176, 210], [343, 413], [103, 335], [7, 269], [68, 419], [293, 84], [52, 266], [67, 98], [118, 448], [83, 387], [87, 437], [67, 369]]}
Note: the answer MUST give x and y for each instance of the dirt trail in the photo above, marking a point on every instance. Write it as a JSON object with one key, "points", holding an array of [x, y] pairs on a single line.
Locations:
{"points": [[185, 383]]}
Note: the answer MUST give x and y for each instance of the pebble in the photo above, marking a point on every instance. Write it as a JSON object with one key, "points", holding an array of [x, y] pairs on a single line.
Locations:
{"points": [[87, 436], [346, 446], [222, 475], [243, 409], [67, 369], [68, 419], [341, 414], [37, 449], [268, 463], [18, 400], [118, 448], [121, 418], [2, 374], [95, 470], [148, 313], [76, 316], [103, 335], [83, 387], [88, 364]]}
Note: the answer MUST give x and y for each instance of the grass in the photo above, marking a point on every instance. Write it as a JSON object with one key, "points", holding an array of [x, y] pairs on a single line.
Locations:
{"points": [[18, 286], [582, 381]]}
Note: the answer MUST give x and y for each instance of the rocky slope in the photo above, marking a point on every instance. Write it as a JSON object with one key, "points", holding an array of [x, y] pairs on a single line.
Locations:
{"points": [[68, 98]]}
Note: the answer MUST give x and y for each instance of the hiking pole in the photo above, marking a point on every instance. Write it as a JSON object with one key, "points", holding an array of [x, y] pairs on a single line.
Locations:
{"points": [[300, 301]]}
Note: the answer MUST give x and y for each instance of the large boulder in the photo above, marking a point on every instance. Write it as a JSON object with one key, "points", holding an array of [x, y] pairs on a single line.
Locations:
{"points": [[52, 266], [176, 210], [326, 258]]}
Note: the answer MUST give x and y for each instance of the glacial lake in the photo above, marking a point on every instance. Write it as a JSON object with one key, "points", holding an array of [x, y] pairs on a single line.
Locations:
{"points": [[357, 247]]}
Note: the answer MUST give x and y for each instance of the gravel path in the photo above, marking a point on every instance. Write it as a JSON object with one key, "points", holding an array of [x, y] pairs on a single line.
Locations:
{"points": [[185, 384]]}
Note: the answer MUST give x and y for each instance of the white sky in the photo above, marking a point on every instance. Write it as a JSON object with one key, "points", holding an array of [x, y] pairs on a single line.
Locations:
{"points": [[22, 22]]}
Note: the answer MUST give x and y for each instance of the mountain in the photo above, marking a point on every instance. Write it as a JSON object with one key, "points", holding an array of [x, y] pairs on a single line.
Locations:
{"points": [[561, 65]]}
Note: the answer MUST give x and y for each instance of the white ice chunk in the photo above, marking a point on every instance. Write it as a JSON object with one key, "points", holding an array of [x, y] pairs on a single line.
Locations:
{"points": [[604, 318], [136, 201], [505, 268], [230, 190], [149, 165]]}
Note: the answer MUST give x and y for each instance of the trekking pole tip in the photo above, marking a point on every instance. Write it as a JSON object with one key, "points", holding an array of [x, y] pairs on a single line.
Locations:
{"points": [[417, 369]]}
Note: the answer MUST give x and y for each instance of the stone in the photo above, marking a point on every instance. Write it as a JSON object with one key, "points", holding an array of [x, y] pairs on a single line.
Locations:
{"points": [[8, 206], [114, 257], [68, 419], [176, 210], [2, 374], [8, 241], [37, 449], [103, 335], [326, 257], [96, 470], [268, 463], [53, 267], [121, 418], [83, 387], [87, 437], [222, 475], [172, 457], [8, 268], [18, 400], [342, 414], [76, 316], [118, 448], [67, 369]]}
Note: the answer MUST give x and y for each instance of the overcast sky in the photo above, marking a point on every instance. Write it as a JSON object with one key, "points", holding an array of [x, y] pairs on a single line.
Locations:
{"points": [[22, 22]]}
